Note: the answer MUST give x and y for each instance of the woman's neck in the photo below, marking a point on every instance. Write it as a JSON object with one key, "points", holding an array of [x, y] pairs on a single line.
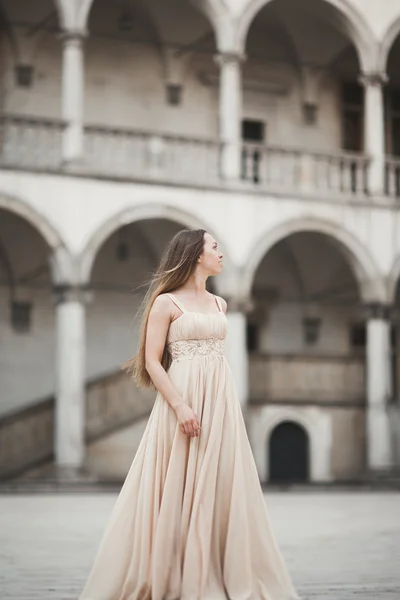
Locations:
{"points": [[196, 285]]}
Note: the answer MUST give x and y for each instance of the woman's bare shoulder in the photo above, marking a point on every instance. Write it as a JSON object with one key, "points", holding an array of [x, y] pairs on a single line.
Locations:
{"points": [[162, 304], [223, 303]]}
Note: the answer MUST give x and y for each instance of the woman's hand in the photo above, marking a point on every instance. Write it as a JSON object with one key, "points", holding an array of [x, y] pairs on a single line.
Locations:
{"points": [[188, 420]]}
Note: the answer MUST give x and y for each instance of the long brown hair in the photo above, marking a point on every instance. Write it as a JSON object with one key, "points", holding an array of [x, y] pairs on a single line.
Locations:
{"points": [[176, 266]]}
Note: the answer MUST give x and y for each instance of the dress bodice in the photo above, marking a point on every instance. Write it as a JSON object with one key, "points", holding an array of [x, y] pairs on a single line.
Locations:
{"points": [[197, 326], [195, 334]]}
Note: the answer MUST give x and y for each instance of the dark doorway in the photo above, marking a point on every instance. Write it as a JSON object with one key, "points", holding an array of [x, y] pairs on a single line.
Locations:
{"points": [[288, 453]]}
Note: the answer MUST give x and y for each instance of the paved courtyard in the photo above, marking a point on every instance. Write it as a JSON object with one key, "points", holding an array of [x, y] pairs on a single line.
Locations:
{"points": [[338, 545]]}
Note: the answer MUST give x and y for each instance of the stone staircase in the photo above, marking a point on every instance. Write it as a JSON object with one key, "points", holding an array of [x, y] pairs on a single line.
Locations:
{"points": [[113, 404], [27, 436]]}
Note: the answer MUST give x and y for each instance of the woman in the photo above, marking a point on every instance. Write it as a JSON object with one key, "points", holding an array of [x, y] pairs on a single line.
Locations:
{"points": [[190, 522]]}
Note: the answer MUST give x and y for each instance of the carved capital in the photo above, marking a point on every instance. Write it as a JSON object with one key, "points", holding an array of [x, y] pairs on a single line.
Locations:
{"points": [[240, 304], [377, 79], [69, 293], [377, 310], [73, 36], [225, 58]]}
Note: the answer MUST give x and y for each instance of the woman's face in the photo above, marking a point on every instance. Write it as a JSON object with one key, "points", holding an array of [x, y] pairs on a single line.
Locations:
{"points": [[211, 258]]}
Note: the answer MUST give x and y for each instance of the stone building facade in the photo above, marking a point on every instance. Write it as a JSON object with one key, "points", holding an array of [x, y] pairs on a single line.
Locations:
{"points": [[275, 125]]}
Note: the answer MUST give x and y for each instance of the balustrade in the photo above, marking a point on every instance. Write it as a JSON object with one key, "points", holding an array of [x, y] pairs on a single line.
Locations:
{"points": [[294, 169], [36, 143], [343, 173], [144, 155], [114, 402], [392, 177], [270, 167], [305, 378], [27, 436], [30, 142]]}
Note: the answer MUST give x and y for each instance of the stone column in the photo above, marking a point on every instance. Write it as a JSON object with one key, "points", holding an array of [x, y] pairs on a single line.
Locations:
{"points": [[374, 130], [70, 379], [73, 94], [236, 347], [379, 388], [230, 114]]}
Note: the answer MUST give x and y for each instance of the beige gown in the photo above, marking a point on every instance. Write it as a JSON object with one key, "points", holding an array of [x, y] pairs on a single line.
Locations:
{"points": [[190, 522]]}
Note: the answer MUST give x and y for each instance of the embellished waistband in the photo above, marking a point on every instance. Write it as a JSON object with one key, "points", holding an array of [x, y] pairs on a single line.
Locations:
{"points": [[191, 348]]}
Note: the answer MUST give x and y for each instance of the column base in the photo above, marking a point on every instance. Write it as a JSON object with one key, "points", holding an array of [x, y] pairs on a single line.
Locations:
{"points": [[379, 450], [387, 478], [74, 165], [51, 479], [68, 475]]}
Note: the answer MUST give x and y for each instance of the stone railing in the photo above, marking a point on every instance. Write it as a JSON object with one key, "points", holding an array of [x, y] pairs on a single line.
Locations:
{"points": [[27, 436], [285, 169], [30, 142], [36, 143], [392, 177], [112, 403], [307, 378], [144, 155]]}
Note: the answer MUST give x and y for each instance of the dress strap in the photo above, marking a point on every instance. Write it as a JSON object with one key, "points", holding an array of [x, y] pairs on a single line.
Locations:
{"points": [[176, 302], [218, 303]]}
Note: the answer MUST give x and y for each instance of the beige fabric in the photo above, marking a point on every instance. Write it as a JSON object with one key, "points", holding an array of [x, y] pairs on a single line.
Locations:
{"points": [[191, 522]]}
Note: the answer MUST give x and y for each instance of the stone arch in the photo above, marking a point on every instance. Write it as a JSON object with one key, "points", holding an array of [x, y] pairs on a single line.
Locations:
{"points": [[84, 11], [9, 33], [61, 262], [358, 29], [139, 213], [370, 280], [315, 421], [66, 13], [214, 10], [392, 32]]}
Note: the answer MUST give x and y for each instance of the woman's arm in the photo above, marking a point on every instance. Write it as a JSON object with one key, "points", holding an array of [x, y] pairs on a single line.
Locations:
{"points": [[158, 323]]}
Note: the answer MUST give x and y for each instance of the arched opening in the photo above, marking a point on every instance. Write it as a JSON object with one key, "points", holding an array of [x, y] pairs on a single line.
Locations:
{"points": [[307, 338], [169, 44], [144, 212], [342, 13], [304, 277], [301, 96], [119, 279], [27, 323], [32, 58], [121, 272], [30, 102], [151, 61], [123, 263], [392, 119], [358, 257], [289, 454]]}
